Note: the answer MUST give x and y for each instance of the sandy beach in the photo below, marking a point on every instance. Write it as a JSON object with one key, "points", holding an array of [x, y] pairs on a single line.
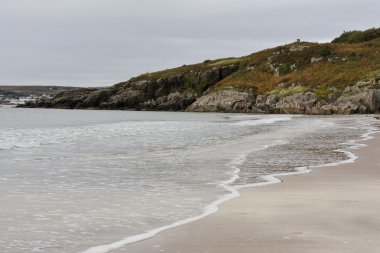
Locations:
{"points": [[331, 209]]}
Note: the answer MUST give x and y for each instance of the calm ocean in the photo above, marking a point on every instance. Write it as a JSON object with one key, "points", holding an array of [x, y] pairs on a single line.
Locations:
{"points": [[74, 179]]}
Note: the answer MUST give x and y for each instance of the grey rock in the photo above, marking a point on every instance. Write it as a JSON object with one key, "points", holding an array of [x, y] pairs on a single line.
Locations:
{"points": [[297, 48], [250, 67], [140, 85], [316, 59], [260, 99], [224, 101], [173, 102], [331, 98], [298, 103], [362, 102], [266, 103], [271, 99], [332, 89], [174, 92]]}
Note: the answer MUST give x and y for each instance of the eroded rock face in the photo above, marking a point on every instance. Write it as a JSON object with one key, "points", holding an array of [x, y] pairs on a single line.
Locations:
{"points": [[224, 101], [364, 102], [354, 100], [266, 103], [299, 103], [172, 93], [67, 99], [173, 102], [192, 91]]}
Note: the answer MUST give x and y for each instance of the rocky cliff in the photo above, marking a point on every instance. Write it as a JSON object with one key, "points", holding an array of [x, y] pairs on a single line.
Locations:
{"points": [[342, 77], [354, 100], [170, 93]]}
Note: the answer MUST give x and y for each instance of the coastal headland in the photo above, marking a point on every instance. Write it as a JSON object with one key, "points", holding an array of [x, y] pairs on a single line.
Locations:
{"points": [[341, 77]]}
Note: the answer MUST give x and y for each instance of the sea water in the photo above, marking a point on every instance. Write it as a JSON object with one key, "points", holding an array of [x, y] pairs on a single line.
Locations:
{"points": [[71, 180]]}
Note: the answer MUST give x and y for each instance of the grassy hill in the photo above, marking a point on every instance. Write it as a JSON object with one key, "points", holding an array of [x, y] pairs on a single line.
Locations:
{"points": [[338, 64]]}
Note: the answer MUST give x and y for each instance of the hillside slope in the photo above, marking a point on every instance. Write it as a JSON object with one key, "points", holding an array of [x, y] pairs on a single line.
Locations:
{"points": [[24, 91], [342, 77]]}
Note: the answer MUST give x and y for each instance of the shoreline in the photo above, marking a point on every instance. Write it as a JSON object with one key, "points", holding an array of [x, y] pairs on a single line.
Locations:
{"points": [[133, 242], [235, 228]]}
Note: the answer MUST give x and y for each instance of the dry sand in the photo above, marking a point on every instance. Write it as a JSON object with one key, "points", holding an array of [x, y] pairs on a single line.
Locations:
{"points": [[333, 209]]}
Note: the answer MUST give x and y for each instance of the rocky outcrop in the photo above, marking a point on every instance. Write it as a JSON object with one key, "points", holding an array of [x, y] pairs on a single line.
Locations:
{"points": [[354, 99], [177, 94], [173, 102], [364, 97], [169, 93], [225, 101], [66, 99], [266, 103], [299, 103], [182, 92], [363, 101]]}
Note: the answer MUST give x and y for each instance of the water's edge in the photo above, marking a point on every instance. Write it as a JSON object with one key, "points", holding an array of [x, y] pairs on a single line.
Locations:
{"points": [[234, 192]]}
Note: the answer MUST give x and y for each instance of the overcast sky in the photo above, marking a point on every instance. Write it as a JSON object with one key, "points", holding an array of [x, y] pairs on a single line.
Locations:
{"points": [[102, 42]]}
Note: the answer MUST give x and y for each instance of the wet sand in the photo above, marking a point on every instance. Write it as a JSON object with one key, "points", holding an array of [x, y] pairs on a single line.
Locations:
{"points": [[333, 209]]}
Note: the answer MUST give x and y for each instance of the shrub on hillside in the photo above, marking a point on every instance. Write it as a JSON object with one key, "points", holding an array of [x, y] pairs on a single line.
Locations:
{"points": [[322, 50], [284, 69], [284, 92], [358, 36]]}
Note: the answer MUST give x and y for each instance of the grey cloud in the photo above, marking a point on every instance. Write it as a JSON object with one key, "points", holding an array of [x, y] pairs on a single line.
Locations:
{"points": [[101, 42]]}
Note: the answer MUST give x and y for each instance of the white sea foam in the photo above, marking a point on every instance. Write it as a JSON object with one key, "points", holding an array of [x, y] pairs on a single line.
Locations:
{"points": [[12, 138], [351, 157], [210, 209], [270, 120], [234, 190]]}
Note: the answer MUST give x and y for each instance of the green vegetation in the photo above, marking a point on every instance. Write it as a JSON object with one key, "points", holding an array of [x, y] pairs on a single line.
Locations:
{"points": [[284, 69], [283, 92], [340, 65], [225, 62], [200, 67], [323, 93], [373, 75], [322, 51], [358, 36]]}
